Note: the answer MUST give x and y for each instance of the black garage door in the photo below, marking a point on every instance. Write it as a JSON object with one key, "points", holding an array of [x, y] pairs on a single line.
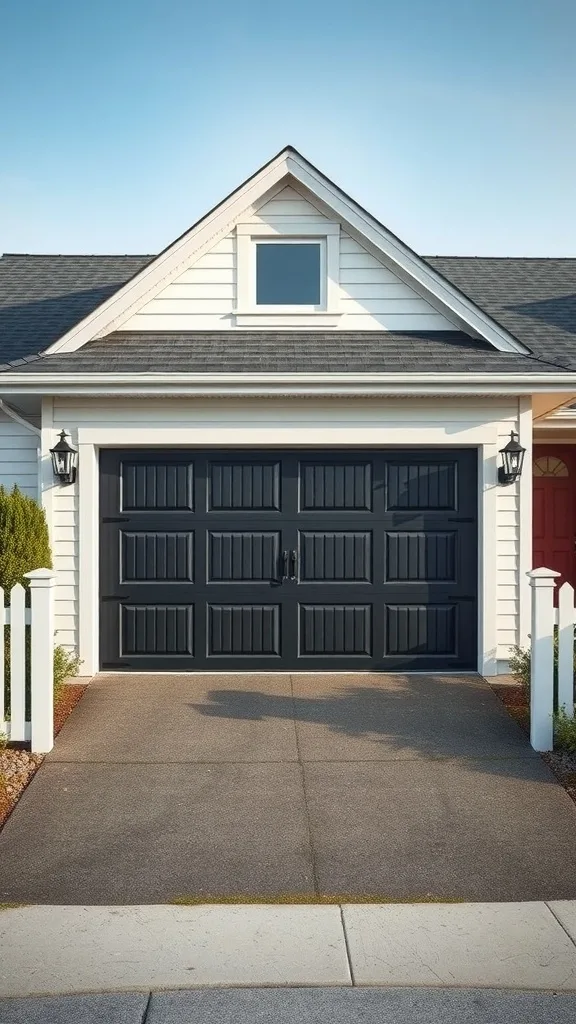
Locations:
{"points": [[288, 560]]}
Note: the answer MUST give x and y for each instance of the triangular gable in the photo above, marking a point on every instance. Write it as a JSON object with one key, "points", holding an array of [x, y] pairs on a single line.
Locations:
{"points": [[288, 186], [205, 296]]}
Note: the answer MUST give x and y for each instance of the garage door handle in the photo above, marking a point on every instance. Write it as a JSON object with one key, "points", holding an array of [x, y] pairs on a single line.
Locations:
{"points": [[293, 565], [284, 572]]}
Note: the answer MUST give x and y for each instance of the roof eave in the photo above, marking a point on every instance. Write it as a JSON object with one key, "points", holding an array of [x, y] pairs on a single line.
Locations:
{"points": [[254, 384]]}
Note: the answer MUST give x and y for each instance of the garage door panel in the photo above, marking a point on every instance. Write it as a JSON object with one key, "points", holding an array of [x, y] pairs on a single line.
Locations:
{"points": [[156, 556], [427, 486], [414, 630], [333, 485], [157, 486], [288, 560], [249, 485], [420, 556], [243, 630], [243, 556], [159, 630], [331, 630], [342, 556]]}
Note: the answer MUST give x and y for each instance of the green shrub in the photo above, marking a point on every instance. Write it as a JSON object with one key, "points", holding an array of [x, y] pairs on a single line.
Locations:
{"points": [[564, 732], [24, 546], [24, 543]]}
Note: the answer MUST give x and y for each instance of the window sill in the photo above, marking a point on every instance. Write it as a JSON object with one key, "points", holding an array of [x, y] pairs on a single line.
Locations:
{"points": [[286, 318]]}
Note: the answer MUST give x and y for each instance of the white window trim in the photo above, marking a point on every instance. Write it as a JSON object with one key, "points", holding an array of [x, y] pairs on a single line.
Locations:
{"points": [[249, 314]]}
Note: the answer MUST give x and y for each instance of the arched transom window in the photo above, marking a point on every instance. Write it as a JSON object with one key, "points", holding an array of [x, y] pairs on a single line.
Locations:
{"points": [[549, 465]]}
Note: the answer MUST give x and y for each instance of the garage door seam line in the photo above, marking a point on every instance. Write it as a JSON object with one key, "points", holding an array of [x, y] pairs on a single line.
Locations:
{"points": [[304, 793]]}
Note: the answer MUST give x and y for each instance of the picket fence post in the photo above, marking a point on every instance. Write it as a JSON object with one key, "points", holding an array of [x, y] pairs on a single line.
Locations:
{"points": [[566, 649], [17, 663], [42, 582], [543, 583]]}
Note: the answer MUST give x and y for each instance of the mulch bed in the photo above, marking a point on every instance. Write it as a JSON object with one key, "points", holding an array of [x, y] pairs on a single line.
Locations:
{"points": [[516, 702], [17, 765]]}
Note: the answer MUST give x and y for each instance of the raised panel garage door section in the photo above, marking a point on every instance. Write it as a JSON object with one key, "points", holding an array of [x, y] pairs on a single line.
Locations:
{"points": [[289, 560]]}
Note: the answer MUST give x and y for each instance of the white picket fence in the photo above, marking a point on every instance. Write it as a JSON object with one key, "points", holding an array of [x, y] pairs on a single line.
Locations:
{"points": [[39, 617], [545, 617]]}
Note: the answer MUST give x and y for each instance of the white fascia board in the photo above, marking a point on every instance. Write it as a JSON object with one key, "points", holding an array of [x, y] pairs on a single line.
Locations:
{"points": [[404, 257], [157, 273], [207, 231], [261, 384]]}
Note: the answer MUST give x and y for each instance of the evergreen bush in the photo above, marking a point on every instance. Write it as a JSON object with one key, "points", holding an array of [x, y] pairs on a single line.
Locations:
{"points": [[24, 543], [24, 546]]}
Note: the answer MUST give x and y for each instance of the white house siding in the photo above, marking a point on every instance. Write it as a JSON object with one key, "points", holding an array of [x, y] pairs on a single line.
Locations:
{"points": [[509, 570], [18, 456], [204, 295], [257, 422]]}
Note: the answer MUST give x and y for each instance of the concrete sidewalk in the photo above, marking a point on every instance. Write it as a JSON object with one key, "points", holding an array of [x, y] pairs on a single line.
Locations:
{"points": [[63, 950]]}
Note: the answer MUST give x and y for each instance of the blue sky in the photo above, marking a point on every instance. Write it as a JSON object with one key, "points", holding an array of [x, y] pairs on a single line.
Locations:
{"points": [[453, 121]]}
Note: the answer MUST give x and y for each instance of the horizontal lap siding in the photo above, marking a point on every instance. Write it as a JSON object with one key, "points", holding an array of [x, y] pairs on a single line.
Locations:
{"points": [[263, 417], [65, 552], [18, 456], [204, 296], [507, 555]]}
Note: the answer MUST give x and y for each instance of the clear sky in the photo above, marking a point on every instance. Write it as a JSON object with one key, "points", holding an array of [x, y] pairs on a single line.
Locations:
{"points": [[452, 121]]}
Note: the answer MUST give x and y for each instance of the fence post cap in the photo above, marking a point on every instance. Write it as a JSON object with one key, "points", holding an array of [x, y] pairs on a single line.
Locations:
{"points": [[543, 577], [41, 577]]}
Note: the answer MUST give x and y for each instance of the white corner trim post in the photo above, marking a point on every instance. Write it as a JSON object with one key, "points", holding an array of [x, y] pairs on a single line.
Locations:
{"points": [[42, 583], [525, 433], [88, 534], [543, 583]]}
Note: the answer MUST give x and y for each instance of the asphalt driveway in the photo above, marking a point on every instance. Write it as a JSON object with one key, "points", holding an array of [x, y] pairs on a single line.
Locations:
{"points": [[394, 787]]}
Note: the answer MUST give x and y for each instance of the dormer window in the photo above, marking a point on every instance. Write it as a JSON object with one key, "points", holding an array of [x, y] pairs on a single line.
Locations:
{"points": [[289, 272], [288, 279]]}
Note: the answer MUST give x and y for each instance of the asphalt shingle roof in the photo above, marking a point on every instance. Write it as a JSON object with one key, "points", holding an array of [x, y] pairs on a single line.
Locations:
{"points": [[533, 299], [41, 297], [284, 352]]}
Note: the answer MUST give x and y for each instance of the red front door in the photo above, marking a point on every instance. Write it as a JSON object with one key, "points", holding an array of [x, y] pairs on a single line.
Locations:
{"points": [[554, 508]]}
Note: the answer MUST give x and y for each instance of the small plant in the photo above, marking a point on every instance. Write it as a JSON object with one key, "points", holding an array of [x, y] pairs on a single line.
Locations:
{"points": [[520, 666], [65, 664], [521, 660], [564, 732]]}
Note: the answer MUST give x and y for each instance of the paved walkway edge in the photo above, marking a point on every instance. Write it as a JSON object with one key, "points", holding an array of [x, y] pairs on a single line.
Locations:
{"points": [[49, 950]]}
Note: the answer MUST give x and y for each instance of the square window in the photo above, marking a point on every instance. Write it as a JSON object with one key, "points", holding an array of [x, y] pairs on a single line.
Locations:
{"points": [[288, 273]]}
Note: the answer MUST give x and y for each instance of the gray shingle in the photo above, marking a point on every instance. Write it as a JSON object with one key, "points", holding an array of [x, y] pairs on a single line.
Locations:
{"points": [[285, 352], [534, 299], [41, 297]]}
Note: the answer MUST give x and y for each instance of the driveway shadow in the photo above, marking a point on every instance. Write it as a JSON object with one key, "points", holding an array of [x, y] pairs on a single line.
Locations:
{"points": [[410, 718]]}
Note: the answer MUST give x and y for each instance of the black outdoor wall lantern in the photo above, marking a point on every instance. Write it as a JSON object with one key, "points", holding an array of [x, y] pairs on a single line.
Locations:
{"points": [[512, 460], [64, 460]]}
